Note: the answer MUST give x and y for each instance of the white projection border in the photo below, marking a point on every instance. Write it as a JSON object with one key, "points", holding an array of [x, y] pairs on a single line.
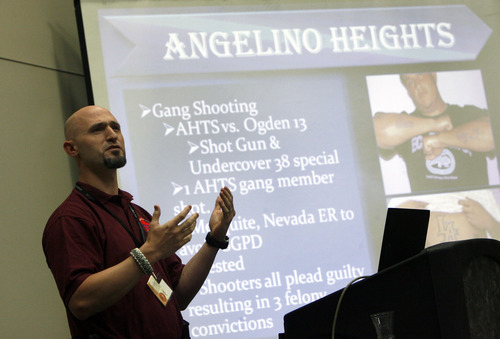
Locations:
{"points": [[277, 103]]}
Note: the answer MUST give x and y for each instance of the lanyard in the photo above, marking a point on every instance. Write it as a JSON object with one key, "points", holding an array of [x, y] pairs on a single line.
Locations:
{"points": [[94, 200]]}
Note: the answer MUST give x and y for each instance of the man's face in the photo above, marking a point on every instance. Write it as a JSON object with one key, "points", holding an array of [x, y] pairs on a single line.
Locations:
{"points": [[97, 137], [422, 89]]}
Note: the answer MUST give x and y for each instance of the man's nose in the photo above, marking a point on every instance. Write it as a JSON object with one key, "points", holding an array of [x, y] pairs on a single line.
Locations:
{"points": [[111, 134]]}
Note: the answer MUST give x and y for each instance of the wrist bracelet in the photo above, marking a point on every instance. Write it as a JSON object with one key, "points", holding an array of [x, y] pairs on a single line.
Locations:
{"points": [[142, 261], [211, 241]]}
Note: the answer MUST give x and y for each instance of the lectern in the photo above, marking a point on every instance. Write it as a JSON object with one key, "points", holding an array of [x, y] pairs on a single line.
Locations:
{"points": [[450, 290]]}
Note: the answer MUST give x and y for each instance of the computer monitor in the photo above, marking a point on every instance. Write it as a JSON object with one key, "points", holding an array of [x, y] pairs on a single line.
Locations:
{"points": [[404, 235]]}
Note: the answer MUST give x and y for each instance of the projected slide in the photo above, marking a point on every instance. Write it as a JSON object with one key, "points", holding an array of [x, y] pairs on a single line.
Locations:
{"points": [[317, 121], [282, 145]]}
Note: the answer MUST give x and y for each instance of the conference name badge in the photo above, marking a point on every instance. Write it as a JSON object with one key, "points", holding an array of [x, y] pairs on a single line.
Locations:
{"points": [[160, 289]]}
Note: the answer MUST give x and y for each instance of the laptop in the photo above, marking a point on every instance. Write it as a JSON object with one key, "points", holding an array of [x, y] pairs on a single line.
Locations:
{"points": [[404, 235]]}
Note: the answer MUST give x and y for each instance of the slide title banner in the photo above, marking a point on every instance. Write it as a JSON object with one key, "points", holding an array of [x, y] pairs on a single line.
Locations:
{"points": [[208, 42]]}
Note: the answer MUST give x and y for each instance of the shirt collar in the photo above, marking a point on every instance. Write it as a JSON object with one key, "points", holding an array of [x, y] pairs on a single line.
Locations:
{"points": [[104, 197]]}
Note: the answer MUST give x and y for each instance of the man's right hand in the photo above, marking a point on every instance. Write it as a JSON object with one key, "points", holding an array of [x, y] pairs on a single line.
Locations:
{"points": [[443, 123], [165, 239]]}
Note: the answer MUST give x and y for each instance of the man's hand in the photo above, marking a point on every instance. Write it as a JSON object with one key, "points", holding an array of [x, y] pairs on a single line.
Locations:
{"points": [[477, 215], [196, 270], [222, 214], [164, 240], [433, 147], [443, 123], [433, 144]]}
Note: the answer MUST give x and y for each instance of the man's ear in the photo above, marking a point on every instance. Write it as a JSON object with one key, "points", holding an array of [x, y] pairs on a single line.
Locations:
{"points": [[70, 148]]}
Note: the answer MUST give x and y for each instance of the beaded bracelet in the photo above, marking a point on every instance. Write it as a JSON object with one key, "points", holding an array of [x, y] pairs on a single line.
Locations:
{"points": [[142, 261]]}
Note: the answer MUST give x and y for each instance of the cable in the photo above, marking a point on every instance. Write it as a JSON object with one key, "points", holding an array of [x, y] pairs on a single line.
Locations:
{"points": [[340, 299], [41, 66]]}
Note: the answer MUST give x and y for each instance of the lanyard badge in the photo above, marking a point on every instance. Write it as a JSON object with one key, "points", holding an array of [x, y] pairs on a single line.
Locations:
{"points": [[160, 289]]}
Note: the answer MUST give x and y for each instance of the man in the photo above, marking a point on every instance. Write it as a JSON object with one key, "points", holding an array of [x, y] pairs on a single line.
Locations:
{"points": [[443, 146], [114, 264]]}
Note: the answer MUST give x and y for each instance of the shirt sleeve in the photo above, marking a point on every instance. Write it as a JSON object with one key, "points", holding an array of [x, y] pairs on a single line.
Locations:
{"points": [[73, 251]]}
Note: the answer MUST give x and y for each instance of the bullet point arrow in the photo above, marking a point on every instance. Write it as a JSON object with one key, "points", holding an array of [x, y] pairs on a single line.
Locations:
{"points": [[192, 147], [145, 110], [168, 128], [177, 188]]}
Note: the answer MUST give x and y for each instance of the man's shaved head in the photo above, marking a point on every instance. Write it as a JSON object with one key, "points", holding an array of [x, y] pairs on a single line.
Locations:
{"points": [[93, 135], [75, 121]]}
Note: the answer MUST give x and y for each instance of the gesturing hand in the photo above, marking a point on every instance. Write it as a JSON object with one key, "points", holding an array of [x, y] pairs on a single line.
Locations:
{"points": [[165, 239], [222, 214]]}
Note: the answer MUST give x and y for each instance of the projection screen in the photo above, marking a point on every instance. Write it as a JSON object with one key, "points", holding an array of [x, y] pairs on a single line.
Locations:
{"points": [[304, 110]]}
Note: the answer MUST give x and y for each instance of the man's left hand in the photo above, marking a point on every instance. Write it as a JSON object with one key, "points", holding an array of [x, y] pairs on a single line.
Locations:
{"points": [[222, 215]]}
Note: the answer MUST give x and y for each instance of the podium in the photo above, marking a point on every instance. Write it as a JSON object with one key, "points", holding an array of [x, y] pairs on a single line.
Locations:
{"points": [[450, 290]]}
